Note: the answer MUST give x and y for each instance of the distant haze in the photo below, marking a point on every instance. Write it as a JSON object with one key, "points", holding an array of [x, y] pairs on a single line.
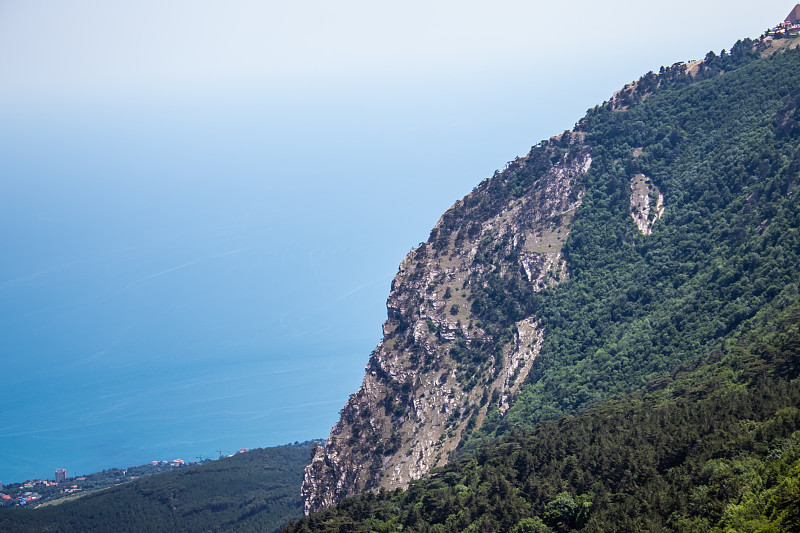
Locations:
{"points": [[203, 203]]}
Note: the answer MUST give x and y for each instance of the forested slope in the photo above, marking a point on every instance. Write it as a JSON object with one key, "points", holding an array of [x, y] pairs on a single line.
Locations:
{"points": [[716, 448], [678, 345], [257, 490]]}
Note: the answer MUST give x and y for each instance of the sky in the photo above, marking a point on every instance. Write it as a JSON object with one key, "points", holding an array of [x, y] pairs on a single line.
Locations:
{"points": [[202, 204]]}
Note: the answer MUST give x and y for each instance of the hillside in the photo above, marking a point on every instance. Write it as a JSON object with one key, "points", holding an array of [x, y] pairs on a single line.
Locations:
{"points": [[251, 491], [624, 257], [715, 449]]}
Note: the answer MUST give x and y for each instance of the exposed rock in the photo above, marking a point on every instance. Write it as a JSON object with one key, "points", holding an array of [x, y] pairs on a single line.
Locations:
{"points": [[430, 381], [644, 210]]}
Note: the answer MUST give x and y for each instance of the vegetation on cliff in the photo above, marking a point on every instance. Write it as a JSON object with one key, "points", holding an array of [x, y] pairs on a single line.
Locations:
{"points": [[723, 152]]}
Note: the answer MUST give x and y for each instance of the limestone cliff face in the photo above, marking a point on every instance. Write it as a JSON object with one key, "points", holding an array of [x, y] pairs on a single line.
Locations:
{"points": [[444, 362]]}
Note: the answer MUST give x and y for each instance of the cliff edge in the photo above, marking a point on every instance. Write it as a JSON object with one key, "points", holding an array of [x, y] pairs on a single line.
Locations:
{"points": [[441, 367]]}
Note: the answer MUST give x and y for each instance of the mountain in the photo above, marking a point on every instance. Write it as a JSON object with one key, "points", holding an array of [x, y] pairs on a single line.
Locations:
{"points": [[716, 448], [629, 281], [256, 490], [604, 336]]}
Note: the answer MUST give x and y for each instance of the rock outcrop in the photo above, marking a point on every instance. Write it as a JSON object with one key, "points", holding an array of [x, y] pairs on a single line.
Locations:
{"points": [[647, 203], [442, 365]]}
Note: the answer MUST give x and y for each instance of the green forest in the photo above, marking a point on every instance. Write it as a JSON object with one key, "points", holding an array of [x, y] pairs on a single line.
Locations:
{"points": [[665, 396], [257, 490]]}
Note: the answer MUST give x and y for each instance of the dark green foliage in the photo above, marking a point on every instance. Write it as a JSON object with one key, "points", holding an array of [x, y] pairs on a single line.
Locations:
{"points": [[770, 494], [257, 490]]}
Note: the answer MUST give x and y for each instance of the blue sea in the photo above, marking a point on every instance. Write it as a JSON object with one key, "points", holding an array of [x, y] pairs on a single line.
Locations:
{"points": [[140, 328], [176, 282]]}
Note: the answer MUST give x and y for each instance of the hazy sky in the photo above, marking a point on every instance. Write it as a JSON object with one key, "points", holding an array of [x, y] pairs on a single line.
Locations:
{"points": [[208, 200], [113, 50]]}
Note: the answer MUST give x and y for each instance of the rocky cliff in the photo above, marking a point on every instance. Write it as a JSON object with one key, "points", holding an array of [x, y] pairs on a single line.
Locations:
{"points": [[442, 366]]}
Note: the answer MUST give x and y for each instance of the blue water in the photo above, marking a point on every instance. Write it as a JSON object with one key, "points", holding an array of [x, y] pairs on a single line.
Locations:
{"points": [[133, 333], [180, 281], [181, 278]]}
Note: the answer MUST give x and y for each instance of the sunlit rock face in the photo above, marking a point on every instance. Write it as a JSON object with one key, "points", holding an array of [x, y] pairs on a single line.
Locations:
{"points": [[440, 368]]}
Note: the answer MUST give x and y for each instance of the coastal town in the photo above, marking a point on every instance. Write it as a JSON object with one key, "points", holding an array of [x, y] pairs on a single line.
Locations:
{"points": [[36, 492]]}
